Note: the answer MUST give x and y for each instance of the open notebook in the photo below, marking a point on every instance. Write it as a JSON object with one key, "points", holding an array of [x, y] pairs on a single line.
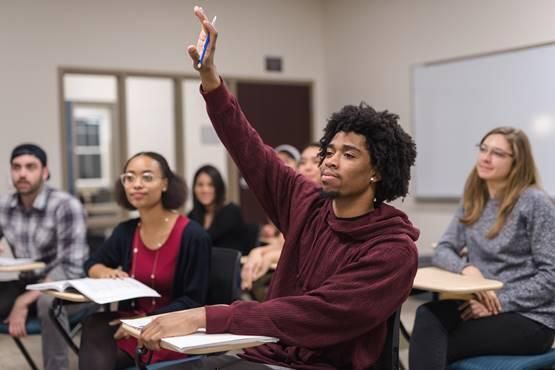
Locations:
{"points": [[199, 342], [101, 291]]}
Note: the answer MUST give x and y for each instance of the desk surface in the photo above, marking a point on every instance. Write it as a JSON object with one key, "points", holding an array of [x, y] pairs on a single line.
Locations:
{"points": [[67, 296], [442, 281], [23, 267]]}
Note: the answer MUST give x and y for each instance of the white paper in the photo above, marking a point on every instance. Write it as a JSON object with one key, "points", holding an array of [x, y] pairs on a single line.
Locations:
{"points": [[101, 291], [200, 339]]}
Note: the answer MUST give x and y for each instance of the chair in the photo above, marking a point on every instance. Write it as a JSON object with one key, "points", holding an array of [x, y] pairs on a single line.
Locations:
{"points": [[543, 361], [224, 287], [389, 359], [252, 236], [224, 284], [33, 328]]}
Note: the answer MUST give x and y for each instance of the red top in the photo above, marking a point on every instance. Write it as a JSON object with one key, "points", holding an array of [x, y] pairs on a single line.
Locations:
{"points": [[338, 280], [157, 270]]}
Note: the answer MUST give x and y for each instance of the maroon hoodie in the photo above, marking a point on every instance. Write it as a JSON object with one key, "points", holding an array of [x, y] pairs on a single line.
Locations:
{"points": [[338, 280]]}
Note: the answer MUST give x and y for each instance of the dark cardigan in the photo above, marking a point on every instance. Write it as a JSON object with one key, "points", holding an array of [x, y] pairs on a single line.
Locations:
{"points": [[193, 264]]}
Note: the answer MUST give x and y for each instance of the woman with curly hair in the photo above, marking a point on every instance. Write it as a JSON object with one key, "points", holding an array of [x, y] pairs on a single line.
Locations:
{"points": [[506, 223]]}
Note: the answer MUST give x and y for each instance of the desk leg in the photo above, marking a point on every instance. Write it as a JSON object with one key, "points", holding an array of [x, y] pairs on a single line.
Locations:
{"points": [[54, 312]]}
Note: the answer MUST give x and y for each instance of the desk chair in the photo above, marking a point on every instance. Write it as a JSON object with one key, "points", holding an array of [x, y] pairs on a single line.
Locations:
{"points": [[33, 328], [224, 287], [533, 362], [389, 359]]}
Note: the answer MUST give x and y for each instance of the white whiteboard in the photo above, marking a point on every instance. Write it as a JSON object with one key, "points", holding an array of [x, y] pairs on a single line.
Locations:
{"points": [[456, 102]]}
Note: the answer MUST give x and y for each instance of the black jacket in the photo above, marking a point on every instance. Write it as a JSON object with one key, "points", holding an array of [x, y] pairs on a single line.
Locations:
{"points": [[193, 264]]}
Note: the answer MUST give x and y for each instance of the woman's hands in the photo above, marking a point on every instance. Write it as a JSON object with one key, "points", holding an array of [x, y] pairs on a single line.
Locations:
{"points": [[100, 271], [487, 299]]}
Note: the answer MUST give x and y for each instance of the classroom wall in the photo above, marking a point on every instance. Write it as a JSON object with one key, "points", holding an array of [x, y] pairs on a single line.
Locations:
{"points": [[36, 37], [389, 36]]}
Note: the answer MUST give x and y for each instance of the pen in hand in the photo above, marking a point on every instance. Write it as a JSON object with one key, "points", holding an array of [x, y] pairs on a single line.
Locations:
{"points": [[206, 42]]}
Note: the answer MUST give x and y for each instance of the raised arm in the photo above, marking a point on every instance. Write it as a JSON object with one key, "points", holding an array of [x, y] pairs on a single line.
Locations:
{"points": [[274, 185]]}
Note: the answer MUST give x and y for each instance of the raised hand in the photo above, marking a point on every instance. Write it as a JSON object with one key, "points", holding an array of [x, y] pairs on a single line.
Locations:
{"points": [[209, 76]]}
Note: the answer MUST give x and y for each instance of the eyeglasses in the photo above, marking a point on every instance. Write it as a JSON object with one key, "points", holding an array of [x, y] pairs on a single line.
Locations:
{"points": [[495, 152], [146, 178]]}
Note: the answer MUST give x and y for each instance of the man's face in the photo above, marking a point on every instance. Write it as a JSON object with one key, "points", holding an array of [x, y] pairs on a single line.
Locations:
{"points": [[28, 174], [347, 169]]}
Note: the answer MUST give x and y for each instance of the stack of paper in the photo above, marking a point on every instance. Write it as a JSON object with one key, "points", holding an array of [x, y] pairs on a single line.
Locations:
{"points": [[199, 342]]}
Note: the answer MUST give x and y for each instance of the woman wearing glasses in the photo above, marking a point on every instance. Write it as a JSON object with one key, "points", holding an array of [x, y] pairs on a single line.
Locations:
{"points": [[506, 222], [162, 249]]}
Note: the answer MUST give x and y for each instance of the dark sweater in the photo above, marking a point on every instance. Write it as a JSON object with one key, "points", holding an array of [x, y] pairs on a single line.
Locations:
{"points": [[338, 280], [193, 265], [228, 229]]}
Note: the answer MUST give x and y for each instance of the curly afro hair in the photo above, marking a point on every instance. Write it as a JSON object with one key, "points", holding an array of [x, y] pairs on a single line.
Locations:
{"points": [[392, 151]]}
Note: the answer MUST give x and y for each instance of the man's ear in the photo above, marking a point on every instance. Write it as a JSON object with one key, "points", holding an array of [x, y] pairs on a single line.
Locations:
{"points": [[376, 177], [45, 174]]}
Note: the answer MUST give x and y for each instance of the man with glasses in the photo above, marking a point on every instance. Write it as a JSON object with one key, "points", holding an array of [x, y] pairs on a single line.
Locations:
{"points": [[47, 225]]}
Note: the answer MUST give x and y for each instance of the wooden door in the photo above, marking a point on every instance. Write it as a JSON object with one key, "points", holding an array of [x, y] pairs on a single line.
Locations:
{"points": [[282, 114]]}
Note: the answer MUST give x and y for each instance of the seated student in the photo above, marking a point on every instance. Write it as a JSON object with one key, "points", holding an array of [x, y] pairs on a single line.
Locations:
{"points": [[260, 259], [223, 222], [163, 249], [47, 225], [349, 259], [506, 222]]}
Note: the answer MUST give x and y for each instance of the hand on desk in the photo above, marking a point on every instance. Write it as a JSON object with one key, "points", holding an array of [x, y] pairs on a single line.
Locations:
{"points": [[172, 325]]}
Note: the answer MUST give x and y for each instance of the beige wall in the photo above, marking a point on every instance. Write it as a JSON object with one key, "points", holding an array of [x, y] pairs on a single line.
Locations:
{"points": [[36, 37], [392, 35], [354, 50]]}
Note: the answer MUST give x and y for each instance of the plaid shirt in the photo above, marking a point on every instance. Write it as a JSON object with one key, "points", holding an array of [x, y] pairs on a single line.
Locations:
{"points": [[53, 231]]}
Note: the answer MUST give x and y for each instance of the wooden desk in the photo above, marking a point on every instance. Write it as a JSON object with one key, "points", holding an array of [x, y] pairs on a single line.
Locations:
{"points": [[67, 296], [23, 267], [437, 280]]}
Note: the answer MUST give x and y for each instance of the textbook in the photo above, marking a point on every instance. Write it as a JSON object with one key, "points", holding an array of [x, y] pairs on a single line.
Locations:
{"points": [[101, 291], [198, 342]]}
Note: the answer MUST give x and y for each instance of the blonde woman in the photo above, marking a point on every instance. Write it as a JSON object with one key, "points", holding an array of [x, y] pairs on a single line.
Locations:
{"points": [[507, 224]]}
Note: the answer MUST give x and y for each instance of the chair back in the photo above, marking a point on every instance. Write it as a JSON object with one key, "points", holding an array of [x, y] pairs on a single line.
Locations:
{"points": [[224, 284], [389, 359]]}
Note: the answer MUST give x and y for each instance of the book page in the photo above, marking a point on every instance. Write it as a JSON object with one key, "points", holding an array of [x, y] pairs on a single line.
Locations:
{"points": [[60, 285], [200, 342], [112, 290]]}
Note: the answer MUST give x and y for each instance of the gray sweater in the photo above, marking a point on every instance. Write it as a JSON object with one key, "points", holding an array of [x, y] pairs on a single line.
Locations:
{"points": [[522, 255]]}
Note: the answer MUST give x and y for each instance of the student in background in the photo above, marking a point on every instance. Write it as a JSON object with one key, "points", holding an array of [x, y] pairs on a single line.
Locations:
{"points": [[161, 248], [223, 222], [349, 259], [47, 225], [261, 259], [506, 223], [290, 156]]}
